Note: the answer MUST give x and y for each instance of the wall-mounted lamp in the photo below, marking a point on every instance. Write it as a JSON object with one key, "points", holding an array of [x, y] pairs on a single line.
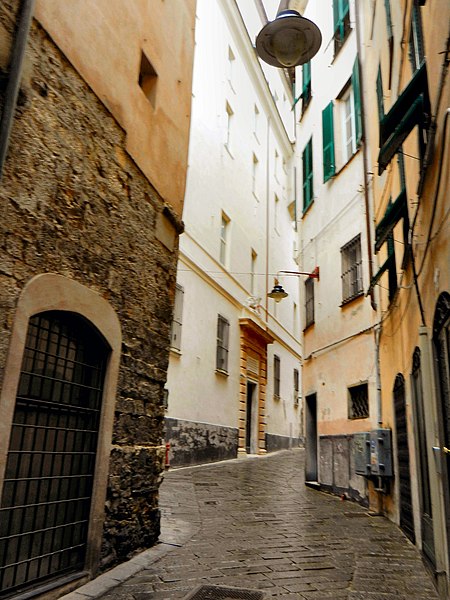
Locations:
{"points": [[288, 41], [278, 293]]}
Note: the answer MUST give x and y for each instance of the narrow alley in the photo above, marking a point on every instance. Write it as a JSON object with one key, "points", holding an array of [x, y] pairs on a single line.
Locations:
{"points": [[252, 524]]}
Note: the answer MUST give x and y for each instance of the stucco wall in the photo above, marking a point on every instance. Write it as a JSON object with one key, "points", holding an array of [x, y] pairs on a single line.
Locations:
{"points": [[104, 40]]}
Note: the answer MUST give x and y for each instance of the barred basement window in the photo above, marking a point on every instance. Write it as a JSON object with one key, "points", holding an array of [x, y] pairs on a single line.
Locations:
{"points": [[358, 401], [223, 330], [352, 284]]}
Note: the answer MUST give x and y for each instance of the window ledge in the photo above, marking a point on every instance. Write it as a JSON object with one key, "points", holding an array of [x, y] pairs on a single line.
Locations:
{"points": [[347, 301], [222, 373], [175, 351]]}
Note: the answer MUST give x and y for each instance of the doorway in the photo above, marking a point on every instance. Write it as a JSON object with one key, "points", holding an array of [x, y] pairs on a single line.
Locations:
{"points": [[251, 429], [47, 491], [441, 342], [311, 471], [404, 473]]}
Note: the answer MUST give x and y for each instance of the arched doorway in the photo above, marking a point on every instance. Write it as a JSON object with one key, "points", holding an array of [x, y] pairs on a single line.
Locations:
{"points": [[48, 482], [404, 473], [441, 342]]}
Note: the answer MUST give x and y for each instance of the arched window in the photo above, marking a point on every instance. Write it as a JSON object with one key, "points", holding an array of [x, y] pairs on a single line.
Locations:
{"points": [[50, 465]]}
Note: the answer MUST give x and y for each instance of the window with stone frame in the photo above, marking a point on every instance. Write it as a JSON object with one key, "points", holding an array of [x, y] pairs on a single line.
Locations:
{"points": [[352, 280], [223, 335], [358, 401]]}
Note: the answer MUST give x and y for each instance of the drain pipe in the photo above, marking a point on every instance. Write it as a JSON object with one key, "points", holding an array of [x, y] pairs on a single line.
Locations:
{"points": [[15, 71]]}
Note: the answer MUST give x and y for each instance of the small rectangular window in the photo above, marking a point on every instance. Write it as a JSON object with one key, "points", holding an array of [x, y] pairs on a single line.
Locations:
{"points": [[352, 283], [223, 332], [175, 338], [229, 124], [307, 163], [358, 401], [276, 376], [309, 301], [148, 79], [224, 233]]}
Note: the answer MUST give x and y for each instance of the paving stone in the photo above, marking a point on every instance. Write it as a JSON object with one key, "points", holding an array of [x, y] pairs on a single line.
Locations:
{"points": [[235, 528]]}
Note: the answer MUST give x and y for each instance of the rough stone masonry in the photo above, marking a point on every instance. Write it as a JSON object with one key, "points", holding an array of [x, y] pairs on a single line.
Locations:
{"points": [[74, 203]]}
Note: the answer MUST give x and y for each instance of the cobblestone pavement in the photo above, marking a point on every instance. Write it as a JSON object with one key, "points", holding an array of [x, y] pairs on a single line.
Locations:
{"points": [[252, 523]]}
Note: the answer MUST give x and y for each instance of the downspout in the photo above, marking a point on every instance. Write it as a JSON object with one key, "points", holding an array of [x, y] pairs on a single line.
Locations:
{"points": [[377, 331], [365, 159], [267, 221], [15, 73]]}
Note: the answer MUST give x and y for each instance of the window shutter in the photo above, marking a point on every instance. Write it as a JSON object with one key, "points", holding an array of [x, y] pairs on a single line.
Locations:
{"points": [[340, 10], [357, 101], [387, 5], [307, 175], [329, 168], [306, 78], [380, 95]]}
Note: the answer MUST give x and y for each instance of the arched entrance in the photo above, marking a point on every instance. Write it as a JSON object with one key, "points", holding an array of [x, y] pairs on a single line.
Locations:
{"points": [[441, 342], [404, 473], [50, 464]]}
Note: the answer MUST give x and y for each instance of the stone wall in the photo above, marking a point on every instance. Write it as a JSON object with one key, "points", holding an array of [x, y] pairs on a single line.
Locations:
{"points": [[197, 443], [73, 203]]}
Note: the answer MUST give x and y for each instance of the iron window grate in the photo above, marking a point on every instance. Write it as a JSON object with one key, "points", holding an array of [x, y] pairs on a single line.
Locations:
{"points": [[46, 497], [359, 401]]}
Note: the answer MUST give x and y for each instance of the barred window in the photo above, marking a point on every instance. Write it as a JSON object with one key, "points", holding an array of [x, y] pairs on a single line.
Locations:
{"points": [[296, 385], [309, 302], [276, 376], [223, 330], [358, 401], [352, 283], [175, 337]]}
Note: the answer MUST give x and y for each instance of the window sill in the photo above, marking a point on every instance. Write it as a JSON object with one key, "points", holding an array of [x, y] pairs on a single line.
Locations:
{"points": [[348, 301], [175, 351], [222, 373]]}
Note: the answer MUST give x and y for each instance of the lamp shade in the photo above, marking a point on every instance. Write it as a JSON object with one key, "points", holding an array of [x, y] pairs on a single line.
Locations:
{"points": [[288, 41], [278, 293]]}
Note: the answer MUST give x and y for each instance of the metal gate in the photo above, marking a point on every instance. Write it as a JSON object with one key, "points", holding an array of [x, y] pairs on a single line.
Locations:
{"points": [[404, 474], [45, 504]]}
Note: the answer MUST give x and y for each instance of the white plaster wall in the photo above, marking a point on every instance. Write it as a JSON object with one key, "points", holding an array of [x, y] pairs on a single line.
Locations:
{"points": [[220, 178]]}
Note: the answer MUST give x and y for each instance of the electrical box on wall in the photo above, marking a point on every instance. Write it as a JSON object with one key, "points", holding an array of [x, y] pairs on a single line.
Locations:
{"points": [[381, 453], [361, 453]]}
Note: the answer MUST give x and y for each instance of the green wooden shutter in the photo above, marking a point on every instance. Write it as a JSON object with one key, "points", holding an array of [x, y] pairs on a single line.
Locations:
{"points": [[387, 5], [307, 175], [340, 10], [306, 78], [380, 95], [357, 101], [329, 168]]}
